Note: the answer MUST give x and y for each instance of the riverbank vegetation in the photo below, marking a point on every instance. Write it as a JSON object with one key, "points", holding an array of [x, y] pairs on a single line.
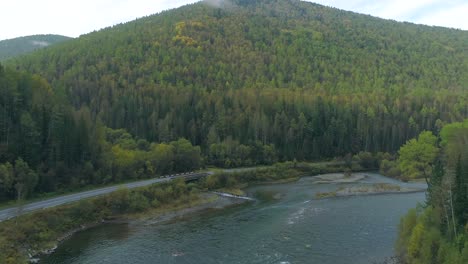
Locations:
{"points": [[278, 173], [414, 159], [366, 189], [201, 85], [47, 146], [438, 231], [257, 83], [30, 234]]}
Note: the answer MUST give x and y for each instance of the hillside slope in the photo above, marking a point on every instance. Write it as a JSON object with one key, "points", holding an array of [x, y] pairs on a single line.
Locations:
{"points": [[273, 43], [310, 80], [18, 46]]}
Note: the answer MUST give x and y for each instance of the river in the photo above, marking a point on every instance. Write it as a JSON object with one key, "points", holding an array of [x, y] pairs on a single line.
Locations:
{"points": [[286, 224]]}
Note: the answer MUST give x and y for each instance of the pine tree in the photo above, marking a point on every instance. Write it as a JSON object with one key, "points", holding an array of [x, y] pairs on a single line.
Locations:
{"points": [[435, 183], [460, 193]]}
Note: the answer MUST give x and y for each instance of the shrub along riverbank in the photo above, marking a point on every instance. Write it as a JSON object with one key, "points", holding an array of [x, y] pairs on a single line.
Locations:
{"points": [[31, 234], [28, 235], [437, 232]]}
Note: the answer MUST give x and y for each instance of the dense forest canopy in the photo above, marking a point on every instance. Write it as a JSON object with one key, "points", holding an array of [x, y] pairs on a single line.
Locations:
{"points": [[46, 145], [438, 232], [10, 48], [245, 82], [313, 81]]}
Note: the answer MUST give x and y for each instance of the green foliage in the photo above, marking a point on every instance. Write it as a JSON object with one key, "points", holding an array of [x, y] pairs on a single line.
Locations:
{"points": [[367, 160], [434, 188], [18, 181], [7, 179], [406, 226], [186, 156], [25, 179], [127, 161], [161, 157], [39, 127], [232, 179], [279, 172], [40, 230], [389, 168], [55, 147], [302, 80], [420, 239], [18, 46], [231, 153], [438, 233], [460, 199], [417, 156], [252, 84], [138, 202], [455, 141]]}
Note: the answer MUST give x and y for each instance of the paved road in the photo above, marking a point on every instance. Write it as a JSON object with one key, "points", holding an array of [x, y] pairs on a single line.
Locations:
{"points": [[14, 211]]}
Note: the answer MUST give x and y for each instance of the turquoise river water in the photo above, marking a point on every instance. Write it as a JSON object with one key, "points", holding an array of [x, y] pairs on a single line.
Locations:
{"points": [[286, 224]]}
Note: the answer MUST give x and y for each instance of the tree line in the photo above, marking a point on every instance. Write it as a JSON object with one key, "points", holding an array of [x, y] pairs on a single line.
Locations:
{"points": [[289, 78], [46, 145], [255, 83], [437, 232]]}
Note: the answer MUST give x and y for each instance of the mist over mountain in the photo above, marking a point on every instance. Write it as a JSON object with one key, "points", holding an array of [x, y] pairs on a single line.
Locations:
{"points": [[18, 46]]}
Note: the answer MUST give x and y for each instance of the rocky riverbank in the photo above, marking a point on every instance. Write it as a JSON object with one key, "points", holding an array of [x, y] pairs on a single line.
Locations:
{"points": [[34, 257], [206, 201], [210, 201]]}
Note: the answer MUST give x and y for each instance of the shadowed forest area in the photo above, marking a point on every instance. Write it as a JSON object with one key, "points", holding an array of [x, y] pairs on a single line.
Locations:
{"points": [[250, 83], [244, 84]]}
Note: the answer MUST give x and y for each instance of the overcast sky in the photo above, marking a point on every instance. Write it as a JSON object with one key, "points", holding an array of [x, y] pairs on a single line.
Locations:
{"points": [[75, 17]]}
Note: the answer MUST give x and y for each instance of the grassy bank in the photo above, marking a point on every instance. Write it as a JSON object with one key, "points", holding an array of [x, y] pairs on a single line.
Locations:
{"points": [[34, 233], [279, 173], [31, 234]]}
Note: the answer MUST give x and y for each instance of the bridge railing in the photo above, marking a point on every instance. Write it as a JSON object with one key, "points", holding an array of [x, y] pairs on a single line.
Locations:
{"points": [[187, 175]]}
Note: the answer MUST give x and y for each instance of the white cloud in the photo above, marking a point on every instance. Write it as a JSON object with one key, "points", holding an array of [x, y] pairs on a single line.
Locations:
{"points": [[400, 9], [446, 13], [73, 18], [455, 17]]}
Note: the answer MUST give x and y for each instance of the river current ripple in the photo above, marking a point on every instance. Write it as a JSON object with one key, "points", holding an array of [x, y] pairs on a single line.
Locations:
{"points": [[286, 224]]}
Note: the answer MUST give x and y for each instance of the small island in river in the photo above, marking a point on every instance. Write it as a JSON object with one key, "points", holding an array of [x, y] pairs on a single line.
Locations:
{"points": [[358, 189], [339, 178]]}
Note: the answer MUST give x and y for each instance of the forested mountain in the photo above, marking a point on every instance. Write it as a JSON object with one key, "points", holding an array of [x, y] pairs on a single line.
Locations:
{"points": [[311, 80], [249, 82], [10, 48]]}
